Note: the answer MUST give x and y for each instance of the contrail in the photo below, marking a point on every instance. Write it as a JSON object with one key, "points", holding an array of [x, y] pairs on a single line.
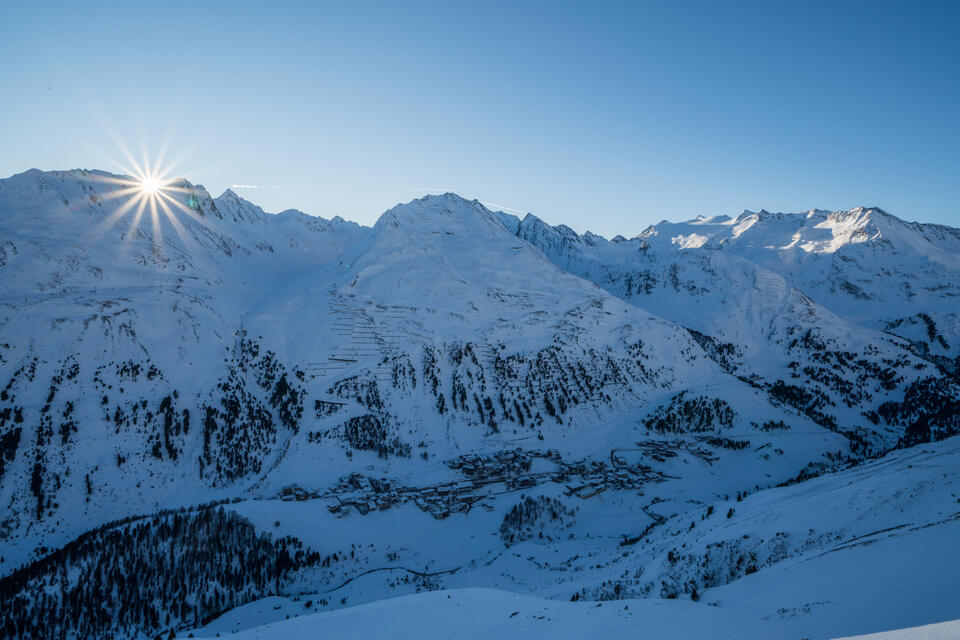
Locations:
{"points": [[494, 205]]}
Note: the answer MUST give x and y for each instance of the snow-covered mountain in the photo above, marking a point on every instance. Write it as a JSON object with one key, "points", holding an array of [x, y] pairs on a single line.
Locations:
{"points": [[864, 265], [819, 308], [408, 406]]}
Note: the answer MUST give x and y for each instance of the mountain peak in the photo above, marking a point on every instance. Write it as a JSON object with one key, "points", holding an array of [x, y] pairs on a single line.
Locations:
{"points": [[448, 213], [447, 195], [240, 210]]}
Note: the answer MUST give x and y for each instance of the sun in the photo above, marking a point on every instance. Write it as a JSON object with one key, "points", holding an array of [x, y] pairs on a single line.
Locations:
{"points": [[150, 185], [147, 190]]}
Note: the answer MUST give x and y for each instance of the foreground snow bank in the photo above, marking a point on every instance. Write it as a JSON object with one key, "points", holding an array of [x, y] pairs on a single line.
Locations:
{"points": [[488, 613], [941, 631]]}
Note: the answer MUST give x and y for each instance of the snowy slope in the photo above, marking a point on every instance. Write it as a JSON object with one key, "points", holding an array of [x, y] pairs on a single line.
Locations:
{"points": [[484, 613], [864, 550], [752, 300], [115, 322], [937, 631], [834, 258]]}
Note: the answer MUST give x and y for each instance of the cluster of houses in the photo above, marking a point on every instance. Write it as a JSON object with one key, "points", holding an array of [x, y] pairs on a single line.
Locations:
{"points": [[486, 476], [500, 464]]}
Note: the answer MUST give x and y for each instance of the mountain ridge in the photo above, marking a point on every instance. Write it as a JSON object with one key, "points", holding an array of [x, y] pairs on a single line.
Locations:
{"points": [[860, 212]]}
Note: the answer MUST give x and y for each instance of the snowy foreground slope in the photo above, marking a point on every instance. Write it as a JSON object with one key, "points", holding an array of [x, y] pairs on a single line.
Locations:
{"points": [[485, 613], [868, 549], [232, 405], [477, 613]]}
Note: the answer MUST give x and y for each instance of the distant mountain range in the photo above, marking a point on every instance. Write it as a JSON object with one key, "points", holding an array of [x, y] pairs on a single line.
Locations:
{"points": [[453, 397]]}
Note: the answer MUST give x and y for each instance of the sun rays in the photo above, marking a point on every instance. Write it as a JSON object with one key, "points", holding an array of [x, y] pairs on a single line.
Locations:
{"points": [[148, 189]]}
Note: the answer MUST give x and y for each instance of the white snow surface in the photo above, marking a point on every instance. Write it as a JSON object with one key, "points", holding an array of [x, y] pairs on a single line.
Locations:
{"points": [[939, 631], [864, 264], [486, 613], [868, 549]]}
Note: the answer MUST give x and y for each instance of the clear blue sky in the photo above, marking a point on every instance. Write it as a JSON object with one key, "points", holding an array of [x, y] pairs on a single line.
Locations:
{"points": [[602, 116]]}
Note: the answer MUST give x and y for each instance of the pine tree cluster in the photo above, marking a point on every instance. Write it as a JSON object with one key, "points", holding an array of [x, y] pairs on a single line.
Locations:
{"points": [[685, 414], [168, 571]]}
